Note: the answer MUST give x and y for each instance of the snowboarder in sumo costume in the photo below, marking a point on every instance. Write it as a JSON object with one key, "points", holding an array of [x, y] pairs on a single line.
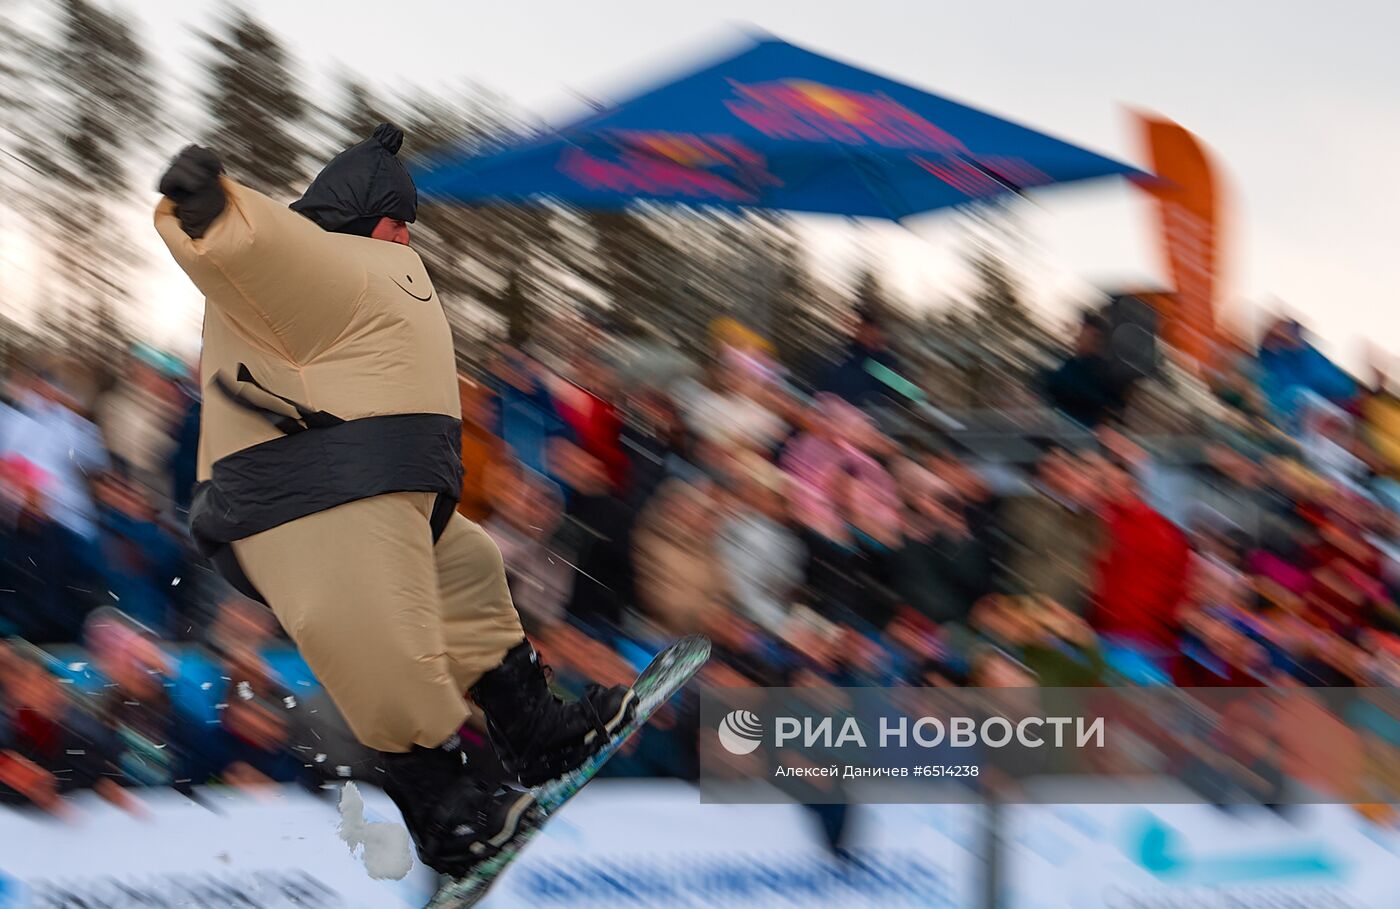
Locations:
{"points": [[329, 468]]}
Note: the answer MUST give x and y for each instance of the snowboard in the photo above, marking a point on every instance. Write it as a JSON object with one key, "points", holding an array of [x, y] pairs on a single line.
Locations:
{"points": [[663, 677]]}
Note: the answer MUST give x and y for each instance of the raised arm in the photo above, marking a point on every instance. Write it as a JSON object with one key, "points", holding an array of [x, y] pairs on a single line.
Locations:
{"points": [[276, 273]]}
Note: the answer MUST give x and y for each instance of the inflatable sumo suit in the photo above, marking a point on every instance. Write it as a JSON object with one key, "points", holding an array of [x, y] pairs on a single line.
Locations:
{"points": [[329, 452]]}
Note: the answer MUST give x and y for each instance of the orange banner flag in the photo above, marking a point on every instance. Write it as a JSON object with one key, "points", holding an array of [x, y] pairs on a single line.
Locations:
{"points": [[1188, 215]]}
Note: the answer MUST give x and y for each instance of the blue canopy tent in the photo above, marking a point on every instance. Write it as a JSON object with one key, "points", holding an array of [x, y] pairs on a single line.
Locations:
{"points": [[775, 127]]}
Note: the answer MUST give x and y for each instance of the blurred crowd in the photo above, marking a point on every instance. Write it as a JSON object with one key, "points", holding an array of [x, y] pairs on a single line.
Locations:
{"points": [[816, 540]]}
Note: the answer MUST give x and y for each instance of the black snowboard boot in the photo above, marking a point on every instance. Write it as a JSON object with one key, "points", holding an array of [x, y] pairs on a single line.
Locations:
{"points": [[537, 736], [456, 820]]}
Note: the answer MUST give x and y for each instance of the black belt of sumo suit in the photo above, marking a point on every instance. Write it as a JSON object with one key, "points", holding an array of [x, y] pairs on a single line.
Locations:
{"points": [[320, 461]]}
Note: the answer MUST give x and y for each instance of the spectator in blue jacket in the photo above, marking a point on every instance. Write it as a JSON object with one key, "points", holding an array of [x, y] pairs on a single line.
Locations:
{"points": [[48, 571], [527, 420], [140, 558], [1291, 365], [856, 377], [184, 456]]}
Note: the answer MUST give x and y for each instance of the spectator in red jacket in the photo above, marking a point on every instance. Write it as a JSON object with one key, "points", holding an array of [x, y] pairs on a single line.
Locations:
{"points": [[588, 409], [1142, 566]]}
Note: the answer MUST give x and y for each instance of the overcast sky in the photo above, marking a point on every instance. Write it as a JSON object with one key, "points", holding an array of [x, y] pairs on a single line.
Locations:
{"points": [[1300, 102]]}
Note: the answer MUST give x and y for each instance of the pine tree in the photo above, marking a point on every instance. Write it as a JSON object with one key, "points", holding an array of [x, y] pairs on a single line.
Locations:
{"points": [[16, 46], [258, 116], [647, 272], [16, 50], [95, 109], [869, 296], [996, 299], [518, 309], [360, 112], [804, 323], [1006, 344]]}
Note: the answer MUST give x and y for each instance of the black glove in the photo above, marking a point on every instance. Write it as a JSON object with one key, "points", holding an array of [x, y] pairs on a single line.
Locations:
{"points": [[192, 183]]}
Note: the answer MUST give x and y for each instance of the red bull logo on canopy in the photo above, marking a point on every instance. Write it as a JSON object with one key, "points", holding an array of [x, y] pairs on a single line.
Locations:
{"points": [[801, 109], [663, 164], [804, 110]]}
